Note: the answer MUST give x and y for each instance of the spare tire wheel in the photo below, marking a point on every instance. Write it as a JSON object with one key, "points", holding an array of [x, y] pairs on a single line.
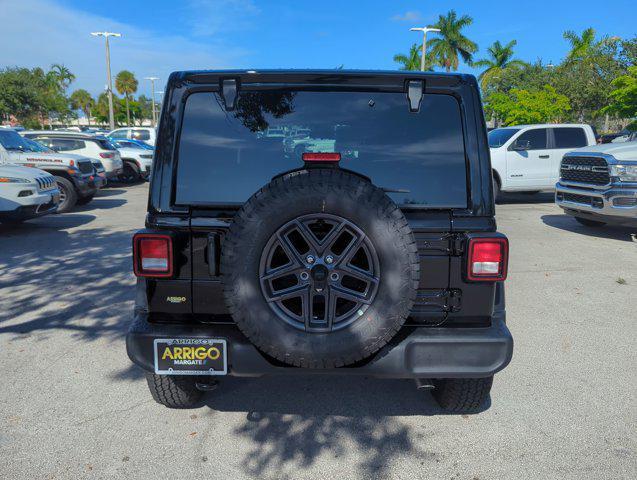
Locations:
{"points": [[320, 268]]}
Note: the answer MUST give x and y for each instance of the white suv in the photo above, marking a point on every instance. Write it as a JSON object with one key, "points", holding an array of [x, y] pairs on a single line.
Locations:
{"points": [[25, 192], [95, 147], [526, 158], [143, 134]]}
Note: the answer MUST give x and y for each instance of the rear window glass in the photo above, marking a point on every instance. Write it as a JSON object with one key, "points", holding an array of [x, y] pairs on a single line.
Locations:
{"points": [[570, 137], [140, 134], [105, 144], [226, 156], [500, 136]]}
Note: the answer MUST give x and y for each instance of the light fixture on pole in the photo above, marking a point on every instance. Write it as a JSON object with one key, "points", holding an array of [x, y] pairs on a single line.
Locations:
{"points": [[111, 117], [152, 88], [424, 31]]}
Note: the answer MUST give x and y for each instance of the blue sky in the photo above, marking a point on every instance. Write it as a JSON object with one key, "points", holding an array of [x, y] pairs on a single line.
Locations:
{"points": [[162, 36]]}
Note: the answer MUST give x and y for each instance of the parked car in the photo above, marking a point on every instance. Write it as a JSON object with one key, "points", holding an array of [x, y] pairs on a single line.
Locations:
{"points": [[137, 162], [526, 158], [100, 180], [25, 192], [145, 134], [598, 185], [91, 146], [74, 174], [384, 263]]}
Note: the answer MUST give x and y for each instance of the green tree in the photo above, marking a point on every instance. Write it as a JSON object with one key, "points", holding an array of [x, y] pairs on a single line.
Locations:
{"points": [[623, 97], [82, 100], [101, 109], [585, 77], [21, 93], [412, 60], [452, 43], [146, 107], [500, 57], [126, 84], [522, 106], [581, 45], [60, 76]]}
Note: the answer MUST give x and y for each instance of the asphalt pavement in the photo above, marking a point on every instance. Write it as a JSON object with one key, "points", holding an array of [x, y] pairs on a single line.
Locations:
{"points": [[73, 406]]}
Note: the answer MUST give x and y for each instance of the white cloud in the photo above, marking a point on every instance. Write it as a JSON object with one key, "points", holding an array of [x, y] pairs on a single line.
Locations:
{"points": [[208, 17], [410, 16], [37, 33]]}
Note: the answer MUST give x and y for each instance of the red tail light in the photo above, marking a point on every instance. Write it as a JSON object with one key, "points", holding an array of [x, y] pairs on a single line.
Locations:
{"points": [[488, 259], [152, 255], [321, 157], [107, 154]]}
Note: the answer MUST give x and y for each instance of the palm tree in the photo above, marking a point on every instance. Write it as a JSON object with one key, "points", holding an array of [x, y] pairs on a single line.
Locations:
{"points": [[580, 45], [500, 58], [410, 61], [126, 84], [82, 100], [452, 42], [61, 76]]}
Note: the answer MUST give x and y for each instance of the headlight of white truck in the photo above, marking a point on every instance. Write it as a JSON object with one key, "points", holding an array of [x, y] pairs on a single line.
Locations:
{"points": [[626, 173], [14, 180]]}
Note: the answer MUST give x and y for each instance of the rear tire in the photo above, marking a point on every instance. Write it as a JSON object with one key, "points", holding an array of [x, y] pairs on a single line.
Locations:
{"points": [[174, 391], [68, 195], [131, 174], [589, 223], [462, 395], [496, 189]]}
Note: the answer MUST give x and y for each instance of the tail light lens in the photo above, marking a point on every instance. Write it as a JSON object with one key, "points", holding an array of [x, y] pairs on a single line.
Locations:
{"points": [[488, 259], [152, 255], [107, 154], [321, 157]]}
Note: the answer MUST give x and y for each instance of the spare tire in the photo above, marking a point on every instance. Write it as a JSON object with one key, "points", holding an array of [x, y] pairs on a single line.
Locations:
{"points": [[320, 268]]}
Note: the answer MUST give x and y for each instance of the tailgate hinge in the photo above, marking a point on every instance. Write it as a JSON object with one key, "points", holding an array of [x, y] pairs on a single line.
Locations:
{"points": [[458, 242], [453, 301]]}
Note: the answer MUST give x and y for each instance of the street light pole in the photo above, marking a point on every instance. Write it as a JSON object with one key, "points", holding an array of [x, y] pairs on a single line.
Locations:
{"points": [[152, 88], [424, 31], [111, 117]]}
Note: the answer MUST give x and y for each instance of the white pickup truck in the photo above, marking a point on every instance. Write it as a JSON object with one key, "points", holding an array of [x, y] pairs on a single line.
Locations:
{"points": [[526, 158], [25, 192]]}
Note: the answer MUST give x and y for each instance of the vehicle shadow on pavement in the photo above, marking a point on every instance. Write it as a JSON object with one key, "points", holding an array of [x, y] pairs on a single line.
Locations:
{"points": [[291, 421], [100, 204], [568, 223], [109, 192], [79, 282], [510, 198]]}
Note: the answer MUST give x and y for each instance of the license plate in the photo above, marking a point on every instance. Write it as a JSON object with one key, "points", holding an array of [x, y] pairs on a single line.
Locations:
{"points": [[190, 356]]}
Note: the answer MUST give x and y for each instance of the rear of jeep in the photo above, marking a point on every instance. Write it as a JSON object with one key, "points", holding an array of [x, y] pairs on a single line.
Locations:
{"points": [[321, 222]]}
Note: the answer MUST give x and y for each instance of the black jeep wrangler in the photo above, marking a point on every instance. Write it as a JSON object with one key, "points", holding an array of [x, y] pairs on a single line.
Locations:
{"points": [[321, 222]]}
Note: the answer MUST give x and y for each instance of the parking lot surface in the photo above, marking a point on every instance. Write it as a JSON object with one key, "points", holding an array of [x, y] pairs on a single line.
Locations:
{"points": [[72, 405]]}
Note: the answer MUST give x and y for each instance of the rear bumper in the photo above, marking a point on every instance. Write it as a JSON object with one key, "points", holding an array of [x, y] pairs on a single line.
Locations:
{"points": [[423, 352], [113, 174]]}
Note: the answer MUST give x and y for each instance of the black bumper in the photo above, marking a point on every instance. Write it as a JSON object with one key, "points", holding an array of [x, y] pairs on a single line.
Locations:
{"points": [[84, 185], [420, 352]]}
